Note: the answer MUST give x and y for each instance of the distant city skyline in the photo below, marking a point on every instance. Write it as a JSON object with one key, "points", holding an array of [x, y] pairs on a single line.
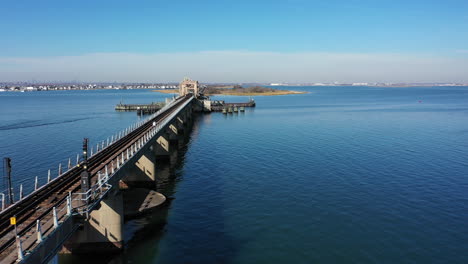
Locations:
{"points": [[290, 41]]}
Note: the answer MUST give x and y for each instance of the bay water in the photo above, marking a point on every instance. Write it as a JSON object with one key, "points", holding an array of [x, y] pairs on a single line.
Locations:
{"points": [[337, 175]]}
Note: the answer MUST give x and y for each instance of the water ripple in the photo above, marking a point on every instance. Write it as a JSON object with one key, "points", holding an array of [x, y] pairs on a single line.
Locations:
{"points": [[39, 123]]}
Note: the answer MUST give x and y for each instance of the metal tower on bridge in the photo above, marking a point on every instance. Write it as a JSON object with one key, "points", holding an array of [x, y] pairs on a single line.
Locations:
{"points": [[188, 86]]}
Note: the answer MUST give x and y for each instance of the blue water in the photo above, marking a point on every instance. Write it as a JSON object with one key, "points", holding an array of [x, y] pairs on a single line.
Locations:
{"points": [[39, 130], [338, 175]]}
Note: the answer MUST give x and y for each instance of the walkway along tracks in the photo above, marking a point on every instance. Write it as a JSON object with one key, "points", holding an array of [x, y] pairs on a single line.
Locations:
{"points": [[41, 202]]}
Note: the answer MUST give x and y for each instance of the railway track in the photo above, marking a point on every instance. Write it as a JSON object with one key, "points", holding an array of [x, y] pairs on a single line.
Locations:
{"points": [[40, 203]]}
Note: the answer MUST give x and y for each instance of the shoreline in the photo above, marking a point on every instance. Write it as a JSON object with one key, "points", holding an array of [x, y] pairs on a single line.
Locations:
{"points": [[280, 92], [166, 91]]}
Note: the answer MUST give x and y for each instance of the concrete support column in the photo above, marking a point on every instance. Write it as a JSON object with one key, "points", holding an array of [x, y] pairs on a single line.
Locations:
{"points": [[181, 122], [162, 147], [175, 135], [141, 170], [188, 112], [103, 231]]}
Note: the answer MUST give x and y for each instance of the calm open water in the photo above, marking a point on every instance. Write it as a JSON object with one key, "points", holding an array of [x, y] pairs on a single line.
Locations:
{"points": [[338, 175]]}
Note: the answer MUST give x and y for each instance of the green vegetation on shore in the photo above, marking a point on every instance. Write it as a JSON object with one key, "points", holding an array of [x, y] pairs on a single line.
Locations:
{"points": [[239, 90], [250, 91]]}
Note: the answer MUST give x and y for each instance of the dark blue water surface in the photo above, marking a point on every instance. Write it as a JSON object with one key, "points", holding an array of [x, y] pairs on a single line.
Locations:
{"points": [[338, 175]]}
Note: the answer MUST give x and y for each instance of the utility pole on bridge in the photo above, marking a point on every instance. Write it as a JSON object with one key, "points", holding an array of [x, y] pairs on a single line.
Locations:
{"points": [[85, 179], [7, 175]]}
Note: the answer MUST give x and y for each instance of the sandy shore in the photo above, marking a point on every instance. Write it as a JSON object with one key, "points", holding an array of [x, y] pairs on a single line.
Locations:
{"points": [[167, 91]]}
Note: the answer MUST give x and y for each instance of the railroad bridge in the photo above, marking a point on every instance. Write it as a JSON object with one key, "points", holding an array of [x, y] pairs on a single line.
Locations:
{"points": [[65, 215]]}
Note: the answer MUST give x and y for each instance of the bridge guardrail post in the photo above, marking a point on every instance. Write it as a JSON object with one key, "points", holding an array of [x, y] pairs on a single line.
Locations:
{"points": [[38, 231], [3, 201], [21, 192], [69, 204], [60, 169], [99, 181], [20, 248], [48, 176], [54, 210]]}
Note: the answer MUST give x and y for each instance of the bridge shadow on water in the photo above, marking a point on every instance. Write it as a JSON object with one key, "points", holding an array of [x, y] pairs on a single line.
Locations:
{"points": [[145, 233]]}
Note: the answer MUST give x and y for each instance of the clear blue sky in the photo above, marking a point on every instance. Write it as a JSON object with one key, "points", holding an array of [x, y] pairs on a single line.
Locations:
{"points": [[38, 28], [72, 28]]}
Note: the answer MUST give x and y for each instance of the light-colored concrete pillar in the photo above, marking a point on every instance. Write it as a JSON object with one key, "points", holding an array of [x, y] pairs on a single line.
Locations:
{"points": [[162, 147], [174, 134], [140, 170], [181, 123], [103, 230]]}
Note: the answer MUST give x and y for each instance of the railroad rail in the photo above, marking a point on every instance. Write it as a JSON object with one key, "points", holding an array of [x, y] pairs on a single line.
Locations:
{"points": [[61, 196]]}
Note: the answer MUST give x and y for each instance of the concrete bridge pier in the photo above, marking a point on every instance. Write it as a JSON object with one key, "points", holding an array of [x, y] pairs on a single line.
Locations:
{"points": [[162, 147], [176, 134], [183, 128], [164, 173], [188, 113], [173, 157], [181, 124], [103, 232], [185, 120], [179, 129], [141, 170]]}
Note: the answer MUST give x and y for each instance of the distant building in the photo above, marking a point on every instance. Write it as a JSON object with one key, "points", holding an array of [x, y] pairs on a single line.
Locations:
{"points": [[188, 86]]}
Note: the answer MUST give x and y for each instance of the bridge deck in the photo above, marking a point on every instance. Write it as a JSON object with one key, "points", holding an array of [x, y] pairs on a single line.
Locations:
{"points": [[39, 204]]}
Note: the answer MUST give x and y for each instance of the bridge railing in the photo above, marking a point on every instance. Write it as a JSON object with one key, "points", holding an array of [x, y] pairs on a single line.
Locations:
{"points": [[81, 203], [25, 244], [37, 187], [172, 115], [63, 170], [128, 130], [85, 202]]}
